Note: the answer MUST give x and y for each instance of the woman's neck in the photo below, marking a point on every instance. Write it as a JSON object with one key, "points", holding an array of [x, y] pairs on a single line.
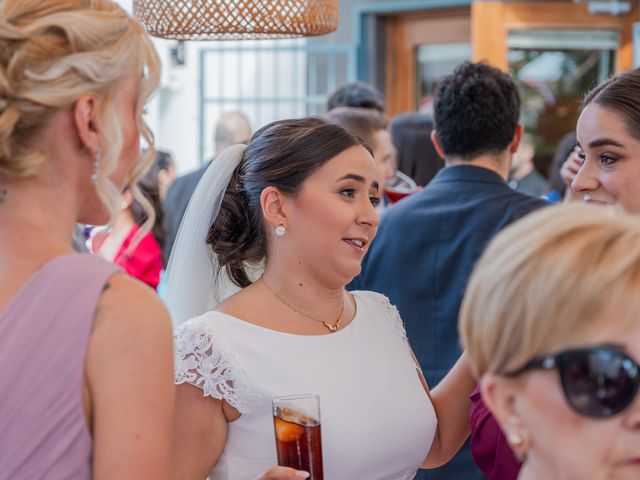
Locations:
{"points": [[29, 211], [304, 292], [123, 222], [533, 470]]}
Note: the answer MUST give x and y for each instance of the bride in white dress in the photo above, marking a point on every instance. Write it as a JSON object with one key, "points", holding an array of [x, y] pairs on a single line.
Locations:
{"points": [[261, 311]]}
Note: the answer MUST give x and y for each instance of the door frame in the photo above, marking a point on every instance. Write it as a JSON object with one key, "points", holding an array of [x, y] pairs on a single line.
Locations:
{"points": [[495, 16], [369, 41], [405, 34], [492, 20]]}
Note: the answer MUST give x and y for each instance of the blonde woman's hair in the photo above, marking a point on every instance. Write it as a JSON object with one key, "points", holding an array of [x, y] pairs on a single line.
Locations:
{"points": [[51, 53], [545, 281]]}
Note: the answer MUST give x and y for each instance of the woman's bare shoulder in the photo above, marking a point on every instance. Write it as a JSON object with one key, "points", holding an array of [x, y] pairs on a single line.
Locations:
{"points": [[130, 305]]}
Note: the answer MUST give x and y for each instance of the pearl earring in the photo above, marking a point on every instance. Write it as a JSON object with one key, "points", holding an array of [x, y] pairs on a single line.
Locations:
{"points": [[96, 167], [515, 439], [280, 230]]}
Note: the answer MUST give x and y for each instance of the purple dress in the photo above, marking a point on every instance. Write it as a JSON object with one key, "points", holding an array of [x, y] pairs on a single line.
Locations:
{"points": [[489, 447], [44, 332]]}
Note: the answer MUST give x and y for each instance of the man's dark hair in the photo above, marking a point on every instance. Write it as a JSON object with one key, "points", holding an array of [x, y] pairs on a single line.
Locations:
{"points": [[476, 111], [357, 94]]}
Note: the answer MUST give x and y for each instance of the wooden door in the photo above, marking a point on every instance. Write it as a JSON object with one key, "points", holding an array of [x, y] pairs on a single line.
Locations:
{"points": [[405, 35]]}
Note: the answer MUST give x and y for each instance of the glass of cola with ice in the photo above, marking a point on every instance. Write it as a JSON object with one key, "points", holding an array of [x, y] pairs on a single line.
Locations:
{"points": [[296, 421]]}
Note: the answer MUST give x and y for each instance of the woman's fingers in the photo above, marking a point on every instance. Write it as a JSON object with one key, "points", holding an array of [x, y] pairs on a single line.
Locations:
{"points": [[283, 473], [570, 167]]}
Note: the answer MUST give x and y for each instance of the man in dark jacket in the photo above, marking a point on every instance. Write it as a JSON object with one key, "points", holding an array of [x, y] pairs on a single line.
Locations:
{"points": [[427, 244]]}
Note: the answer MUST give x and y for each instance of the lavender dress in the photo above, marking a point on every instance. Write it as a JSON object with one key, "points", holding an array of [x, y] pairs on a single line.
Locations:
{"points": [[44, 331]]}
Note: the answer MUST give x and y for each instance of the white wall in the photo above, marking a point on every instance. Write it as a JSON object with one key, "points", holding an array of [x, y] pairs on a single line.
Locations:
{"points": [[174, 111]]}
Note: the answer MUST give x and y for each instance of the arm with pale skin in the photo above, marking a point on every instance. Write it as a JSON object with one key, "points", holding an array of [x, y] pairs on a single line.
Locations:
{"points": [[129, 391], [199, 435], [451, 402]]}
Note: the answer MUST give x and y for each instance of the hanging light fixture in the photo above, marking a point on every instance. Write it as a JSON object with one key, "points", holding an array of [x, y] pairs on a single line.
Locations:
{"points": [[236, 19]]}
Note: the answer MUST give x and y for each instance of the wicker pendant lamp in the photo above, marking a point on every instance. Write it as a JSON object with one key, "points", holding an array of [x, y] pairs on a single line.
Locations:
{"points": [[236, 19]]}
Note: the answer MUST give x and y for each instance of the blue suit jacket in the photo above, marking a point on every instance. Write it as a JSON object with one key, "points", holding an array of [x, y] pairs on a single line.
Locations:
{"points": [[422, 258]]}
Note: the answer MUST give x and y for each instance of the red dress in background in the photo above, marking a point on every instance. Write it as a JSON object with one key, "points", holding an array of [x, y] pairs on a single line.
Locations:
{"points": [[144, 262], [489, 447]]}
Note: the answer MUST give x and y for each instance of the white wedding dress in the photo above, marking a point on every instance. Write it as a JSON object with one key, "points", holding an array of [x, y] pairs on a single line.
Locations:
{"points": [[377, 421]]}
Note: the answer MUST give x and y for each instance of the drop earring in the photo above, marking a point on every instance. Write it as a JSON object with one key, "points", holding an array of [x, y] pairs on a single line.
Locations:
{"points": [[281, 230], [96, 167]]}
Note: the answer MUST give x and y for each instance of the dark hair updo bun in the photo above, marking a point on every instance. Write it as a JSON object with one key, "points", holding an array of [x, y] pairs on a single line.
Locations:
{"points": [[282, 154]]}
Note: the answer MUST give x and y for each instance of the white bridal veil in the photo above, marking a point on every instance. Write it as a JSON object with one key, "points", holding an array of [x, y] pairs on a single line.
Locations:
{"points": [[193, 285]]}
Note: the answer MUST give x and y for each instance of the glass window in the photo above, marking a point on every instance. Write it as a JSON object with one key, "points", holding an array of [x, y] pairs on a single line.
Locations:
{"points": [[268, 80], [553, 70], [434, 62]]}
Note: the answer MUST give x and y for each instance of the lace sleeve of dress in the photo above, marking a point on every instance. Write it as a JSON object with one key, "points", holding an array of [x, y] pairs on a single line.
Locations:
{"points": [[208, 362]]}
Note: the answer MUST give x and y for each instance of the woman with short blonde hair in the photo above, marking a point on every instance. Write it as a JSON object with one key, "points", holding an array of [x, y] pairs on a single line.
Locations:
{"points": [[550, 322], [85, 352]]}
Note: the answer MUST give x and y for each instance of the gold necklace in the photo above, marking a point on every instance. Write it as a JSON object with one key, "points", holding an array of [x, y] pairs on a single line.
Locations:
{"points": [[332, 327]]}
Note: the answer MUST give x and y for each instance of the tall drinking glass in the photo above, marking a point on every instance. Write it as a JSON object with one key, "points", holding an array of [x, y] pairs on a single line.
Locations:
{"points": [[296, 420]]}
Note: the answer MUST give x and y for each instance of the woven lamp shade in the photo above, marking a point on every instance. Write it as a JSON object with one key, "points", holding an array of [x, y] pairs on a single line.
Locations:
{"points": [[236, 19]]}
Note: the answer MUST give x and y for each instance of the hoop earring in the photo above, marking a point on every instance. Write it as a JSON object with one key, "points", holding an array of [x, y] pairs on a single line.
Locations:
{"points": [[281, 230], [96, 167]]}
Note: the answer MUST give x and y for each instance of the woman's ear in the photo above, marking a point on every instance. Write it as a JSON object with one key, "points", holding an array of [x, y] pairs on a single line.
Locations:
{"points": [[273, 202], [502, 397], [127, 199], [87, 122]]}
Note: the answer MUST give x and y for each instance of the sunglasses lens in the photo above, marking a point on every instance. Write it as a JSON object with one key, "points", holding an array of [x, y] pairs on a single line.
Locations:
{"points": [[599, 383]]}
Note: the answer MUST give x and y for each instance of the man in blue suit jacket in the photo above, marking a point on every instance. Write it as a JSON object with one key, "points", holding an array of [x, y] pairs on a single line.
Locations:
{"points": [[427, 244]]}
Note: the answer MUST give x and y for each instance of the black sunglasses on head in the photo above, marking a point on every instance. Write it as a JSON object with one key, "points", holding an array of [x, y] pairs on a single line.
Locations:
{"points": [[597, 381]]}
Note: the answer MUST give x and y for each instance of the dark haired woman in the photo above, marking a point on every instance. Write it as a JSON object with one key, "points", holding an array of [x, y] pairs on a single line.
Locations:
{"points": [[293, 215], [417, 157], [609, 135]]}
